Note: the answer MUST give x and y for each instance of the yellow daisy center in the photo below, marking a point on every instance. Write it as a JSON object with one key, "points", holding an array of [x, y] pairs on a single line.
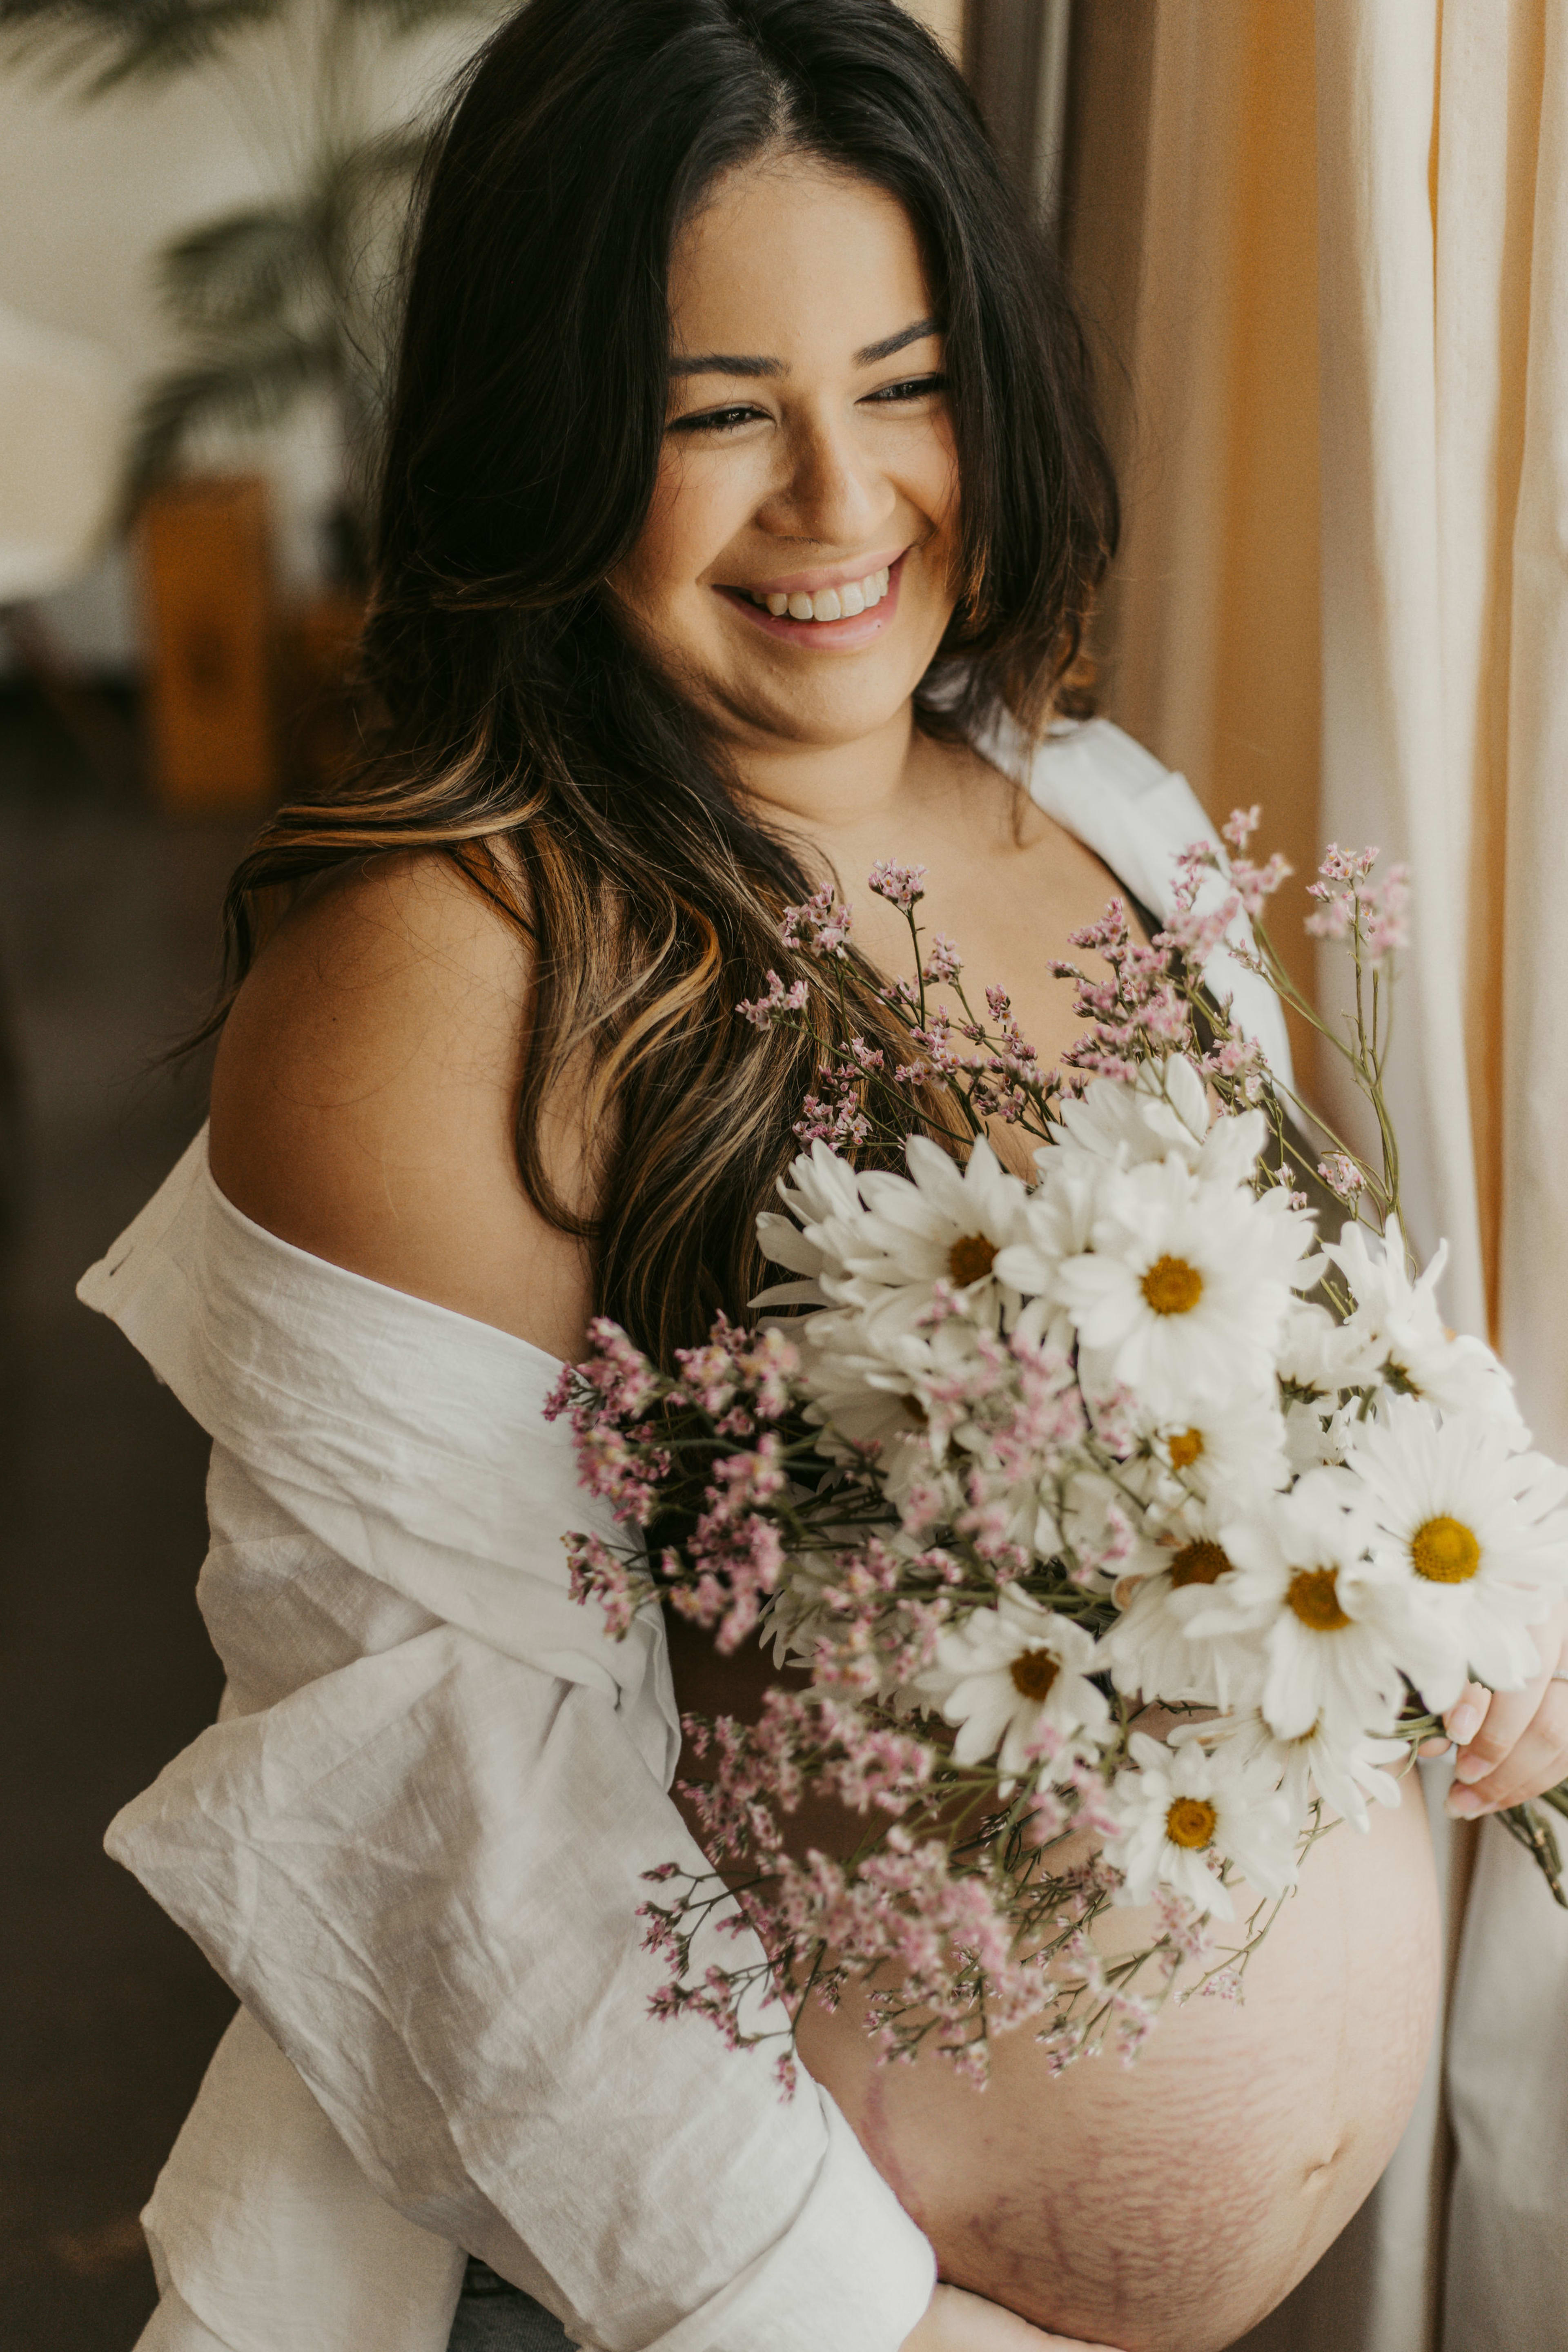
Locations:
{"points": [[1191, 1821], [1315, 1594], [971, 1257], [1203, 1562], [1033, 1673], [1172, 1286], [1184, 1448], [1445, 1551]]}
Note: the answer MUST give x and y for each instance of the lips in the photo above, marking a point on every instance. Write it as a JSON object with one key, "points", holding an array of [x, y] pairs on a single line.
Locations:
{"points": [[840, 603], [836, 617]]}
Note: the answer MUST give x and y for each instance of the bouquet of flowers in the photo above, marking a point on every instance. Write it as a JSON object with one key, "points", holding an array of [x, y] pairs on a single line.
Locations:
{"points": [[1123, 1529]]}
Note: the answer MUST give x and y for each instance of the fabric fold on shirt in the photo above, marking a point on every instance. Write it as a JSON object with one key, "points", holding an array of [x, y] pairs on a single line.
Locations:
{"points": [[406, 1438], [1138, 816]]}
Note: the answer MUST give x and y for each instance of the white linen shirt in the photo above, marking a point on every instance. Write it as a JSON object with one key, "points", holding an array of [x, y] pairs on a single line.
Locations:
{"points": [[413, 1842]]}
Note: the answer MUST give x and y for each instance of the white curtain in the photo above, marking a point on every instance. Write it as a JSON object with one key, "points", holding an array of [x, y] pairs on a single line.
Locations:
{"points": [[1443, 211], [1423, 477]]}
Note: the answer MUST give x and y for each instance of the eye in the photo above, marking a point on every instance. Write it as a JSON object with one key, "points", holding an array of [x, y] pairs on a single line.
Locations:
{"points": [[914, 387], [714, 420]]}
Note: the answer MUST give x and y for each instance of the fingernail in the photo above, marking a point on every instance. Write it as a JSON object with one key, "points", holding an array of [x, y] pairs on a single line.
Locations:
{"points": [[1465, 1804], [1472, 1768], [1464, 1723]]}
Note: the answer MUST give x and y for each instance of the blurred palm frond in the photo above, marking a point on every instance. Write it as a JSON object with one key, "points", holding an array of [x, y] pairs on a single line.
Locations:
{"points": [[109, 42], [251, 382], [278, 297], [239, 269], [414, 16], [268, 261]]}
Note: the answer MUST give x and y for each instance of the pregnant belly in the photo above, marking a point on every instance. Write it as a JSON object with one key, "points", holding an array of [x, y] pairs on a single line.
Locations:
{"points": [[1167, 2207]]}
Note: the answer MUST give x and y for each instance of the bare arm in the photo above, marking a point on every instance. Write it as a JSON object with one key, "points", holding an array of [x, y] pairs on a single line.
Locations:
{"points": [[364, 1097]]}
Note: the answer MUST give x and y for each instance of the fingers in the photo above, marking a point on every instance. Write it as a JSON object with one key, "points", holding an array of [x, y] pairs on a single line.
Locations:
{"points": [[1504, 1723], [1535, 1758], [1518, 1745], [1464, 1718]]}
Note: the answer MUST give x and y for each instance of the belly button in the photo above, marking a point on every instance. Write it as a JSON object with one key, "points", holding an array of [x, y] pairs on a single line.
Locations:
{"points": [[1316, 2173]]}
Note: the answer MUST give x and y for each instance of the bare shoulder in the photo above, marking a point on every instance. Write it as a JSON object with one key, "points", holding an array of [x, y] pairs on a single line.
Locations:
{"points": [[365, 1092]]}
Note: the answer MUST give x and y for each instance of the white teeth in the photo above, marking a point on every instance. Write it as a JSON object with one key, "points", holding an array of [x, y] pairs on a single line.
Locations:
{"points": [[828, 603]]}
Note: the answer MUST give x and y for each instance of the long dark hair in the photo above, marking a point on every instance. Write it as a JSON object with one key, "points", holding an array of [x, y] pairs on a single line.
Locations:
{"points": [[523, 443]]}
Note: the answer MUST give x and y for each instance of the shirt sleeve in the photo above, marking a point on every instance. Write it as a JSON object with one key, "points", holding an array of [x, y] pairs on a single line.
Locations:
{"points": [[421, 1874], [414, 1842]]}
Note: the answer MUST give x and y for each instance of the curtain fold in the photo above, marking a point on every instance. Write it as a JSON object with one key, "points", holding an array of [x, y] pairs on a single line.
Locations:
{"points": [[1422, 704]]}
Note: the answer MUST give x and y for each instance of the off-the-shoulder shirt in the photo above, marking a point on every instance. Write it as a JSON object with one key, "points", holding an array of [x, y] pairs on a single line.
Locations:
{"points": [[414, 1841]]}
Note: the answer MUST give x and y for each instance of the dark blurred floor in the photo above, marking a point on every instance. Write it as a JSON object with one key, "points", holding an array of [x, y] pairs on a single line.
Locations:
{"points": [[108, 937]]}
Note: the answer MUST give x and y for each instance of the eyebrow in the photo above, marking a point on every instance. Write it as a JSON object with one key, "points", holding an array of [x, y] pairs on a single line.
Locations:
{"points": [[749, 364]]}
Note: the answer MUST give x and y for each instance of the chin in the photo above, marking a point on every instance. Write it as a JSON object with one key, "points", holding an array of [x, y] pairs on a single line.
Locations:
{"points": [[826, 699]]}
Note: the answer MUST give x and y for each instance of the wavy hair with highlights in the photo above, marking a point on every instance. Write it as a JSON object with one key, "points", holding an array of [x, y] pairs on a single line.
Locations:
{"points": [[520, 732]]}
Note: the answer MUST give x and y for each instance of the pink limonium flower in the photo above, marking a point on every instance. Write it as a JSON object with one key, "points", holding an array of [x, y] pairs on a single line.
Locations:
{"points": [[821, 926], [902, 886], [762, 1010], [1342, 1175]]}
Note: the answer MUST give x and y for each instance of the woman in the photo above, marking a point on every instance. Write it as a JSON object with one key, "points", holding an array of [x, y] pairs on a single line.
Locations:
{"points": [[741, 511]]}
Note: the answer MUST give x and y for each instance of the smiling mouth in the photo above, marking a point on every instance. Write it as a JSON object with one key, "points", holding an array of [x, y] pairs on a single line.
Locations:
{"points": [[843, 603]]}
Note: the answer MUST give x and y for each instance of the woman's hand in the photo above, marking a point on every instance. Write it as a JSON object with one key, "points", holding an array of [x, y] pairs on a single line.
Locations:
{"points": [[956, 2321], [1512, 1744]]}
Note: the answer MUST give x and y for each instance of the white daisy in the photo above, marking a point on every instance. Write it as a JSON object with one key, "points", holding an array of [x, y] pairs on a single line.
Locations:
{"points": [[1315, 1434], [1234, 1450], [1163, 1109], [1397, 1336], [1337, 1627], [1184, 1813], [1474, 1528], [821, 1194], [1150, 1650], [1005, 1674], [866, 1368], [1054, 1224], [1181, 1296], [1317, 1763], [880, 1238], [1103, 1525]]}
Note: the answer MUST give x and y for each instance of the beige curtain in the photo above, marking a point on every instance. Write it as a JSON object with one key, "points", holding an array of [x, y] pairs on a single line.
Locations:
{"points": [[1330, 243], [1190, 230]]}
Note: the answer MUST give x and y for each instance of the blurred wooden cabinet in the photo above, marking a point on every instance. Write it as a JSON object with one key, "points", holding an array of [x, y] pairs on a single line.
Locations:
{"points": [[319, 702], [206, 566]]}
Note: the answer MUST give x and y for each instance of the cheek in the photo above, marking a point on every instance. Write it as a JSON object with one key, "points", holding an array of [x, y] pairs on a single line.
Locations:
{"points": [[940, 482], [687, 529]]}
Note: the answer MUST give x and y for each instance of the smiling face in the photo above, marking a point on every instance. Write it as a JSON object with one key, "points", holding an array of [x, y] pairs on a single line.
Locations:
{"points": [[794, 574]]}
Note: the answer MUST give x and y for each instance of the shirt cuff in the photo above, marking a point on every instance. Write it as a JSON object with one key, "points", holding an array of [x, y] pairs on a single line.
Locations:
{"points": [[852, 2272]]}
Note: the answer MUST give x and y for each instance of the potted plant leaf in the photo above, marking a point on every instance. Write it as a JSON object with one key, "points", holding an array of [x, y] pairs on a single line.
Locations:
{"points": [[282, 299]]}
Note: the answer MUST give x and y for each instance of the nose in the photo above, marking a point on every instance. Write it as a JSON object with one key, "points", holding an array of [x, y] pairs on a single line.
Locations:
{"points": [[831, 490]]}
